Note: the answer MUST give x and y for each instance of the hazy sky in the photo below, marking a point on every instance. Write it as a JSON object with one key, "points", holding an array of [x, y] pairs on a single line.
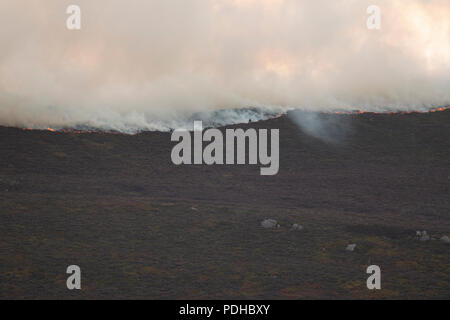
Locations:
{"points": [[134, 61]]}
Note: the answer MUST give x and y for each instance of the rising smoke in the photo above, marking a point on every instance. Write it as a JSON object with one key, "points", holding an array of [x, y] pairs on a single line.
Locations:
{"points": [[151, 65]]}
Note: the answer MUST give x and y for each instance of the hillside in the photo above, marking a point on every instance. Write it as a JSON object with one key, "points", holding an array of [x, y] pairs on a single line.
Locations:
{"points": [[141, 227]]}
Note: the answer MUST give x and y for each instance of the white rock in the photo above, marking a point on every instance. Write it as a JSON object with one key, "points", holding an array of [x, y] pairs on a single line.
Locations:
{"points": [[351, 247], [445, 239], [424, 236], [270, 224], [296, 226]]}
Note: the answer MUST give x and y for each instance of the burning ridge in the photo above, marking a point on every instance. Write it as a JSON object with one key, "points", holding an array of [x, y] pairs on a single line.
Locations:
{"points": [[224, 117]]}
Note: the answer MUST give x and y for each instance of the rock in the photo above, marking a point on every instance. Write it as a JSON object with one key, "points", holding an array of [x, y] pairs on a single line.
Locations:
{"points": [[270, 224], [424, 236], [297, 227], [351, 247], [445, 239]]}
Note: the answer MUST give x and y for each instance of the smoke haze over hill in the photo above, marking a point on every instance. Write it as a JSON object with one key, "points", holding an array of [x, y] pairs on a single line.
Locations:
{"points": [[151, 65]]}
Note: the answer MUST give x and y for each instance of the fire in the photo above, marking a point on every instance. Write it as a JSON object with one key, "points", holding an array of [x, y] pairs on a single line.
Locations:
{"points": [[439, 109], [353, 112], [387, 112]]}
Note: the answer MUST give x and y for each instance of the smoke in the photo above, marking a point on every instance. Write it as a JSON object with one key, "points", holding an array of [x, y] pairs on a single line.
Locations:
{"points": [[151, 65], [325, 127]]}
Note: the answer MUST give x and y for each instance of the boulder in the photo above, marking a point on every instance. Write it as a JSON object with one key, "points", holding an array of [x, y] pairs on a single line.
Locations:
{"points": [[424, 236], [270, 224]]}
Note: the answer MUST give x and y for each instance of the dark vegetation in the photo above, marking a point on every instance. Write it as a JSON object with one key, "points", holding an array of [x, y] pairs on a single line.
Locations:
{"points": [[140, 227]]}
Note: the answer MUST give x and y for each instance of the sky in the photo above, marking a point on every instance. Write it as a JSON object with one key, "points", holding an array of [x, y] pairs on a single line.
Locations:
{"points": [[151, 64]]}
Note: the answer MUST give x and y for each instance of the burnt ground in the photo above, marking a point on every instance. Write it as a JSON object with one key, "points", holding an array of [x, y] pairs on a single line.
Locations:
{"points": [[141, 227]]}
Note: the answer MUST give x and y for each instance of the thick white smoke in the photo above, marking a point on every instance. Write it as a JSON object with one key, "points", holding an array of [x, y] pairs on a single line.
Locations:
{"points": [[151, 64]]}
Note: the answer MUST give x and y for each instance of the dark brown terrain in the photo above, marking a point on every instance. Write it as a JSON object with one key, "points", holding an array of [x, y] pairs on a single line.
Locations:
{"points": [[141, 227]]}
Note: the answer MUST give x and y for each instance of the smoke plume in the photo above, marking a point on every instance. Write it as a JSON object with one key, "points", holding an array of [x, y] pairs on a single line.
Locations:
{"points": [[151, 65]]}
